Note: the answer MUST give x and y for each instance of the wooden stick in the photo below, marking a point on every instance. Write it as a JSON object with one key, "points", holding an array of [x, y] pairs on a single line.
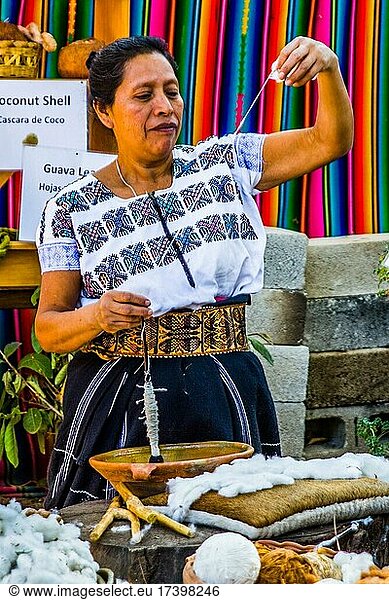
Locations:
{"points": [[115, 511], [135, 505], [102, 525]]}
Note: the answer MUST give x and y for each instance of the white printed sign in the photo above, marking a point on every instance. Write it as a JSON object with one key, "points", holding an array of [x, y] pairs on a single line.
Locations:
{"points": [[54, 110], [45, 172]]}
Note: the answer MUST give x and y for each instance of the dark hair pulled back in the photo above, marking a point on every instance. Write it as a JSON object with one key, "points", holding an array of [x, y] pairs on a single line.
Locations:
{"points": [[106, 67]]}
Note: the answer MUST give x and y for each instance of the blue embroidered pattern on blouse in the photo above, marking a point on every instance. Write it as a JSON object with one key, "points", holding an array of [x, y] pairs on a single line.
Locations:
{"points": [[92, 235], [222, 188], [183, 167], [213, 156], [95, 192], [162, 251], [246, 230], [187, 239], [136, 258], [62, 225], [118, 222], [73, 201], [231, 225], [211, 228], [54, 257], [142, 212], [110, 272], [196, 196], [171, 206], [247, 152]]}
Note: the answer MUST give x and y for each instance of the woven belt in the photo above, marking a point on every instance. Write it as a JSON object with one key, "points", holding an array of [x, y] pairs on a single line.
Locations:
{"points": [[208, 330]]}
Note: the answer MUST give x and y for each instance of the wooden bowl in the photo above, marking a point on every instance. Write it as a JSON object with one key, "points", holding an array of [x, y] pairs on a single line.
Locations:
{"points": [[132, 467]]}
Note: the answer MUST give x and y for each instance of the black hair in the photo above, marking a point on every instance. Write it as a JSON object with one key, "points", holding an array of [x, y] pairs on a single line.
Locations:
{"points": [[106, 66]]}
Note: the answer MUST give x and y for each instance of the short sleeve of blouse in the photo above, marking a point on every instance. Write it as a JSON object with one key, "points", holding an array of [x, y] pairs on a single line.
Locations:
{"points": [[248, 158], [57, 247]]}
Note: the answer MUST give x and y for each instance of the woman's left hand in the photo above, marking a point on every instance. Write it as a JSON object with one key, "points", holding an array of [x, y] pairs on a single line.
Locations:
{"points": [[302, 59]]}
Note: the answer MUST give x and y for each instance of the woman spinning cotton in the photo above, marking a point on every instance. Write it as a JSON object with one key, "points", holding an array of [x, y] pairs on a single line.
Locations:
{"points": [[158, 253]]}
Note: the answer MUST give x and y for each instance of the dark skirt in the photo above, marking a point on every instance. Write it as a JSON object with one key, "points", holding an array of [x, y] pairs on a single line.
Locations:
{"points": [[202, 398]]}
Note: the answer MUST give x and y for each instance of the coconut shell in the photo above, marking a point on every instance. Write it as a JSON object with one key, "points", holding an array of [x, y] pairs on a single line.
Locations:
{"points": [[9, 31], [72, 58]]}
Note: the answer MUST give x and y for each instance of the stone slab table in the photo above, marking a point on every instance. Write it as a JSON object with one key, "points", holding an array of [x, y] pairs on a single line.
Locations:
{"points": [[160, 556]]}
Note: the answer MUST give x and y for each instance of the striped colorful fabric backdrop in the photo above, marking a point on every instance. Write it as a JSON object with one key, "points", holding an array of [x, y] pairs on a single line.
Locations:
{"points": [[225, 49]]}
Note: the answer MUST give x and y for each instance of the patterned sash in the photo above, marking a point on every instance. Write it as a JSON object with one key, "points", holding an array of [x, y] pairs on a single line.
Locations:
{"points": [[208, 330]]}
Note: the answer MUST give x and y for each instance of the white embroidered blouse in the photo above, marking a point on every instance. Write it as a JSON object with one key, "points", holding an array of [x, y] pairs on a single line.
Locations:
{"points": [[184, 246]]}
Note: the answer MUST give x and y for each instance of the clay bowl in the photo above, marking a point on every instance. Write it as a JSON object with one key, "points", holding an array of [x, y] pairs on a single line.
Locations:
{"points": [[132, 467]]}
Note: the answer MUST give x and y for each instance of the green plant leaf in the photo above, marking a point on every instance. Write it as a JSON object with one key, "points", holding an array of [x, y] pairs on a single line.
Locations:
{"points": [[32, 420], [8, 380], [18, 383], [35, 296], [41, 442], [2, 398], [263, 336], [2, 435], [34, 340], [11, 444], [10, 348], [261, 349], [34, 383], [60, 376], [38, 363]]}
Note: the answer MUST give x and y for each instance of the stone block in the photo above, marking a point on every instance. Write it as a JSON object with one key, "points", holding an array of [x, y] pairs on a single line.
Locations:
{"points": [[287, 379], [333, 431], [285, 258], [280, 314], [343, 265], [291, 424], [287, 376], [346, 323], [351, 378]]}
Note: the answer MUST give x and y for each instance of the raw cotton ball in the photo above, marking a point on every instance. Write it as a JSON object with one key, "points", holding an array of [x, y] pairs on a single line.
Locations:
{"points": [[37, 548], [353, 564], [5, 565], [48, 527], [227, 558]]}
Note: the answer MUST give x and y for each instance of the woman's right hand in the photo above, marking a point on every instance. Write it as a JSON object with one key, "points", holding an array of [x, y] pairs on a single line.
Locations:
{"points": [[117, 310]]}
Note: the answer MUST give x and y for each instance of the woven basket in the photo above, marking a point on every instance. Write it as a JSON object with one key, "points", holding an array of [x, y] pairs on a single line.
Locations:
{"points": [[19, 59]]}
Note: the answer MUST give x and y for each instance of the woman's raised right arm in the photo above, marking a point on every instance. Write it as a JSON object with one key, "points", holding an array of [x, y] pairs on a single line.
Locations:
{"points": [[61, 327]]}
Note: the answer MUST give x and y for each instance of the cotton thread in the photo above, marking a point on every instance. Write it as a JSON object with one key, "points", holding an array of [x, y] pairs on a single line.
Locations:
{"points": [[121, 177], [150, 405]]}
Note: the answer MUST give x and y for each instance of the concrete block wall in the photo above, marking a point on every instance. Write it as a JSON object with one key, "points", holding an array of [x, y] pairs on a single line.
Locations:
{"points": [[279, 312], [330, 335], [347, 332]]}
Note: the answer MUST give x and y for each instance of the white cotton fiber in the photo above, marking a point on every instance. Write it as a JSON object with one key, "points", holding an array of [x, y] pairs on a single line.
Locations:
{"points": [[227, 558], [37, 549], [353, 564]]}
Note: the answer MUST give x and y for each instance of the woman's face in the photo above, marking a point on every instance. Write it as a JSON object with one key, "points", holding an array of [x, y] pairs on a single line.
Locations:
{"points": [[146, 114]]}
